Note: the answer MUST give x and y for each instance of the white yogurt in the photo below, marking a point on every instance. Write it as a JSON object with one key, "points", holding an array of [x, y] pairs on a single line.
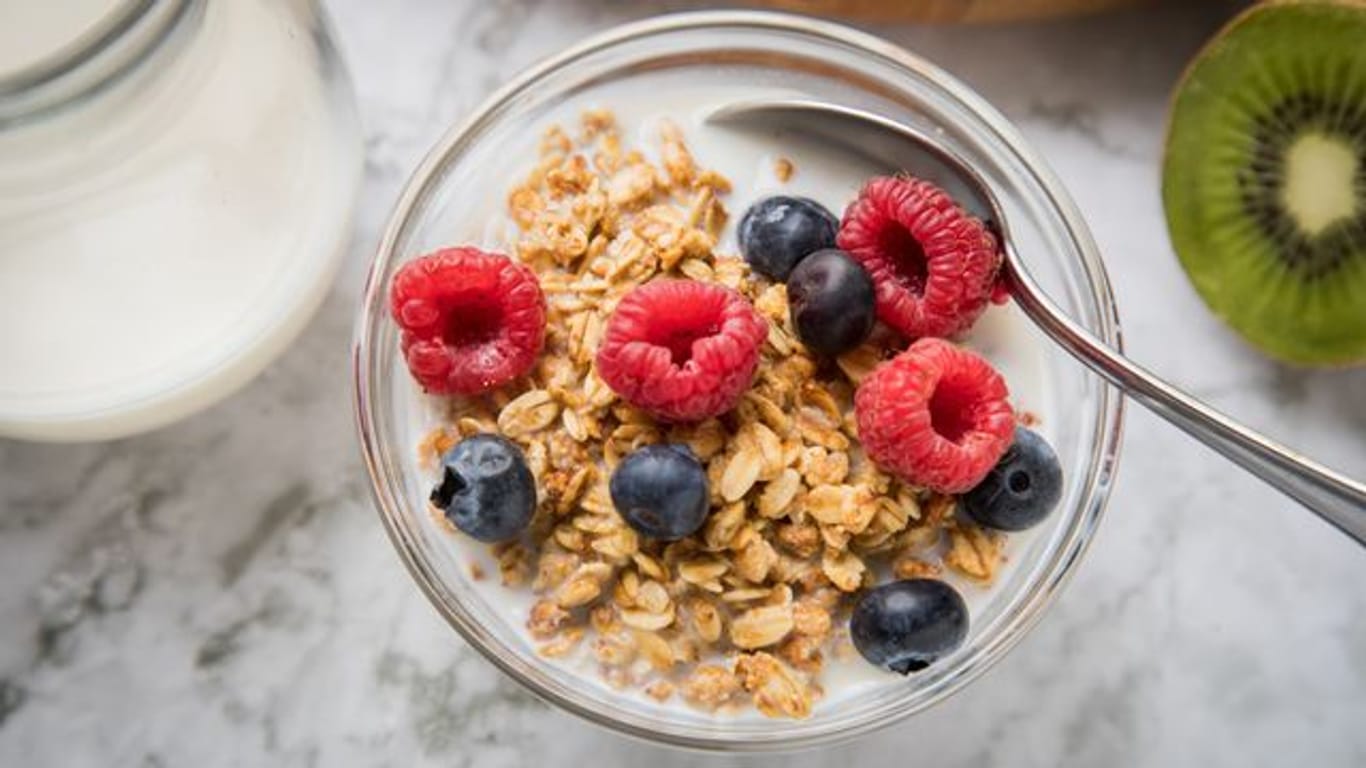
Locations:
{"points": [[831, 177], [162, 241]]}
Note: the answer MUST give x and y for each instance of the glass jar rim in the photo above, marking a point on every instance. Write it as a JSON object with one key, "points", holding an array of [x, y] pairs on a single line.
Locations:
{"points": [[386, 488], [125, 36]]}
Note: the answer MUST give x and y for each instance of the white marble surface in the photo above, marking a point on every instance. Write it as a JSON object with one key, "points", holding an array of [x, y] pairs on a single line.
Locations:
{"points": [[221, 593]]}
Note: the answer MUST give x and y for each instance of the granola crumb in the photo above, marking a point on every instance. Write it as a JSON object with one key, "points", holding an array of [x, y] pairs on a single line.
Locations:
{"points": [[476, 571], [776, 689], [563, 644], [439, 518], [709, 686], [660, 690], [783, 169], [908, 566], [974, 552], [545, 619], [433, 444]]}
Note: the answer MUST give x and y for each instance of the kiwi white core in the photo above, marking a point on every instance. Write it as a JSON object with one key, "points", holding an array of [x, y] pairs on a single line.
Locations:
{"points": [[1319, 173]]}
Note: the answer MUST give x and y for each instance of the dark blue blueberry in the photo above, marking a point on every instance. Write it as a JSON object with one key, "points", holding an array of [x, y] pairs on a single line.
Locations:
{"points": [[831, 300], [907, 625], [777, 232], [486, 489], [661, 491], [1021, 489]]}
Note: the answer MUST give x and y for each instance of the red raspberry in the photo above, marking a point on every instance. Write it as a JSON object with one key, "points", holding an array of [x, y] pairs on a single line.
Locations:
{"points": [[936, 415], [680, 349], [933, 264], [471, 320]]}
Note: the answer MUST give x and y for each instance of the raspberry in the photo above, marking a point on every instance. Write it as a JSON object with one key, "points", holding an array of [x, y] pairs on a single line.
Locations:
{"points": [[936, 415], [681, 350], [933, 264], [471, 320]]}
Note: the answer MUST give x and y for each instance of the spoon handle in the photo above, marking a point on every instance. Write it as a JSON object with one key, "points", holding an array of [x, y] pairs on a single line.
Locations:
{"points": [[1333, 497]]}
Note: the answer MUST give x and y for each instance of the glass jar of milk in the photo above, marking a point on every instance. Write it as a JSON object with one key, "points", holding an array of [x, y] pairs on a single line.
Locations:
{"points": [[176, 183]]}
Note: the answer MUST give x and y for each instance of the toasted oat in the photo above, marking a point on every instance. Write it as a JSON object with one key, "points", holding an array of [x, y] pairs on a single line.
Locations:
{"points": [[705, 439], [603, 619], [767, 411], [546, 619], [514, 564], [801, 539], [648, 620], [823, 467], [802, 653], [762, 626], [703, 572], [974, 551], [653, 597], [938, 509], [677, 159], [722, 526], [920, 538], [574, 425], [583, 586], [772, 304], [434, 444], [655, 650], [811, 619], [650, 566], [706, 619], [615, 650], [779, 494], [745, 595], [741, 473], [776, 689], [844, 569], [756, 559]]}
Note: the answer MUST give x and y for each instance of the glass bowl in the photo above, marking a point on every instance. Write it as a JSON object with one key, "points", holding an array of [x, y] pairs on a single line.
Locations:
{"points": [[447, 201]]}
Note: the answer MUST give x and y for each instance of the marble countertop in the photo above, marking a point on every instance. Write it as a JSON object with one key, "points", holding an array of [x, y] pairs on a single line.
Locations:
{"points": [[221, 593]]}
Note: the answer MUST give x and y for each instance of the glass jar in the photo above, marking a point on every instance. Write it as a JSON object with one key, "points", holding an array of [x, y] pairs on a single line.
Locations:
{"points": [[176, 183], [446, 201]]}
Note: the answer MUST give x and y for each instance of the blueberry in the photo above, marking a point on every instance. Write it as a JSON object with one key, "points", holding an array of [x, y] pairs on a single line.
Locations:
{"points": [[486, 489], [661, 491], [907, 625], [831, 300], [777, 232], [1021, 489]]}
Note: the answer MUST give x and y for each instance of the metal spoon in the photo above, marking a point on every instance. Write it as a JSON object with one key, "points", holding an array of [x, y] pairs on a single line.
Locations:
{"points": [[1332, 496]]}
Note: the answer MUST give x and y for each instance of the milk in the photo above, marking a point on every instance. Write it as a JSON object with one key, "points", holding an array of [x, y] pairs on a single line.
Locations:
{"points": [[1003, 335], [163, 241], [33, 31]]}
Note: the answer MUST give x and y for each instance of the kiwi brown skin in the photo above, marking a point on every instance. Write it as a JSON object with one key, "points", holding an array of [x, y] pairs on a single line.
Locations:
{"points": [[1298, 298]]}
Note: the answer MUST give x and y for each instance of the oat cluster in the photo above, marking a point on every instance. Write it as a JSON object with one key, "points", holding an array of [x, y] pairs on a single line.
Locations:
{"points": [[748, 610]]}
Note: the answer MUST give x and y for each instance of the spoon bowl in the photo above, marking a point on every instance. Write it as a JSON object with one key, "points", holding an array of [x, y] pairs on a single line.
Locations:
{"points": [[1337, 499]]}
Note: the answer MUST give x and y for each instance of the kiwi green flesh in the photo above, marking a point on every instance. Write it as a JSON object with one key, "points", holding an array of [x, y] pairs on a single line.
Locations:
{"points": [[1264, 180]]}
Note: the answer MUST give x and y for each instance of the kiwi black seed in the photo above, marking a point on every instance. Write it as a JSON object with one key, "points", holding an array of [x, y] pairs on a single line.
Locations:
{"points": [[1264, 180]]}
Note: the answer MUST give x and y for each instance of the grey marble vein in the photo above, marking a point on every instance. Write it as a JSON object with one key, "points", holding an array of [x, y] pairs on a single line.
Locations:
{"points": [[221, 593]]}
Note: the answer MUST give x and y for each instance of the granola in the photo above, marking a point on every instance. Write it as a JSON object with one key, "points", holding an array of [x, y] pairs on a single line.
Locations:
{"points": [[744, 610]]}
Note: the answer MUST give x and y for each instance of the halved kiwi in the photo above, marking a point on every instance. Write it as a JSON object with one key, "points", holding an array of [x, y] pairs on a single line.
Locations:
{"points": [[1264, 181]]}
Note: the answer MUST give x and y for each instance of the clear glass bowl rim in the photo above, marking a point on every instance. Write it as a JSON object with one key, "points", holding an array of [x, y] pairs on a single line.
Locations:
{"points": [[388, 492]]}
